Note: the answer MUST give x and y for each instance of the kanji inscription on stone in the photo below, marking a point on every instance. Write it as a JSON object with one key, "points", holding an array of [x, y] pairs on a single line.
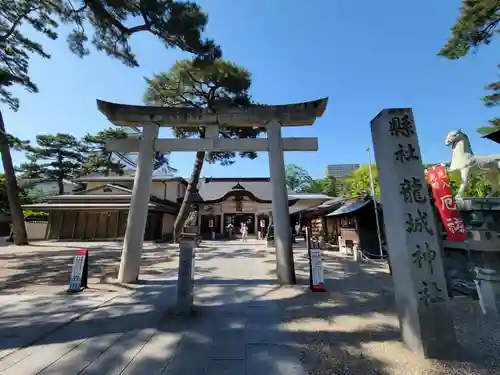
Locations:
{"points": [[418, 223], [405, 154], [401, 126], [430, 293], [425, 255], [411, 190]]}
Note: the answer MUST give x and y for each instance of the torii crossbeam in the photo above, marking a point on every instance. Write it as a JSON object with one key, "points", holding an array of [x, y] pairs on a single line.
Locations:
{"points": [[151, 118]]}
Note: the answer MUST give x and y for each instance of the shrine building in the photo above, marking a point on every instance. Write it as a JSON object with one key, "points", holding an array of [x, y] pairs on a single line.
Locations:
{"points": [[99, 211]]}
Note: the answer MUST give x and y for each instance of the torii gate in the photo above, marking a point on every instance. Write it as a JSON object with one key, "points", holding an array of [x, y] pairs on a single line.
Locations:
{"points": [[151, 118]]}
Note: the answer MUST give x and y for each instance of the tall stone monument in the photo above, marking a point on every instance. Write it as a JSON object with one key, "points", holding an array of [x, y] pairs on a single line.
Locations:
{"points": [[414, 250]]}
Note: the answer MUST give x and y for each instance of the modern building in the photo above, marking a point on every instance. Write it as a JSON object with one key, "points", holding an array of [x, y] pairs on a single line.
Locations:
{"points": [[100, 211], [340, 170]]}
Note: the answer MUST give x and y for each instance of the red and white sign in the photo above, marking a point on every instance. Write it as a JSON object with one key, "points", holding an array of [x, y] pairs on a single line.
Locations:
{"points": [[445, 203]]}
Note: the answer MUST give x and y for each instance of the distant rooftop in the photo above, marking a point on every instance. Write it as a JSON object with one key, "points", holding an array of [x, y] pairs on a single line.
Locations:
{"points": [[127, 178]]}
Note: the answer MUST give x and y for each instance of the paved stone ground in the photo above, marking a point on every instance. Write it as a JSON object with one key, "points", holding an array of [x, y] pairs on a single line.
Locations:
{"points": [[235, 329], [353, 329], [245, 324], [44, 267]]}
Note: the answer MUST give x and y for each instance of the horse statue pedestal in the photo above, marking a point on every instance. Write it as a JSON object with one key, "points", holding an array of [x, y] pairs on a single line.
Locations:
{"points": [[480, 268], [478, 204]]}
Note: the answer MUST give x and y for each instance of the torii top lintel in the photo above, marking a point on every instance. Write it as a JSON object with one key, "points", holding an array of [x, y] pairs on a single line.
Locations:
{"points": [[299, 114]]}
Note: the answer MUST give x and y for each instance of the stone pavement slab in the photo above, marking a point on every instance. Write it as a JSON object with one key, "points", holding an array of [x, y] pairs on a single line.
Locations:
{"points": [[24, 319], [236, 330]]}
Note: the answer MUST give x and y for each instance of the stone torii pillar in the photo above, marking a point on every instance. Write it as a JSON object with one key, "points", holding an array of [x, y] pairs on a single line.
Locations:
{"points": [[285, 267], [271, 117], [130, 261]]}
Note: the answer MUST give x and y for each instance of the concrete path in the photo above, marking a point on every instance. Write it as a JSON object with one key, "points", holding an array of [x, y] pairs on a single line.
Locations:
{"points": [[237, 328], [24, 319]]}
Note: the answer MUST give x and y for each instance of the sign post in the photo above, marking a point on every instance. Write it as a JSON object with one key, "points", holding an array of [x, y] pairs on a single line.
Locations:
{"points": [[262, 224], [211, 226], [79, 272], [316, 270]]}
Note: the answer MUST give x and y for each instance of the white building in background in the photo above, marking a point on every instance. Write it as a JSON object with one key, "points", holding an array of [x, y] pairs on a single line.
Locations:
{"points": [[340, 170], [44, 187]]}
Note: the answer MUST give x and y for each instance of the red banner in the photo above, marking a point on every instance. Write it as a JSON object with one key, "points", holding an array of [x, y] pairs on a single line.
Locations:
{"points": [[445, 203]]}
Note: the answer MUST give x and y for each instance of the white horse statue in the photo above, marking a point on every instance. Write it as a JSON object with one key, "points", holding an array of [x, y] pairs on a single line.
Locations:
{"points": [[464, 161]]}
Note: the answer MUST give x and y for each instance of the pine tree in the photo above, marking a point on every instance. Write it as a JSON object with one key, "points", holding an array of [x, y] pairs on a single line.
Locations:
{"points": [[111, 22], [476, 26], [490, 101], [30, 170], [59, 157], [297, 178], [98, 158], [217, 86], [11, 188]]}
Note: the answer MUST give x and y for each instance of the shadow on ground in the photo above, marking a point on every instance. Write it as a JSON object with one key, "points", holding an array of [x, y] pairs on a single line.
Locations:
{"points": [[351, 329], [50, 264]]}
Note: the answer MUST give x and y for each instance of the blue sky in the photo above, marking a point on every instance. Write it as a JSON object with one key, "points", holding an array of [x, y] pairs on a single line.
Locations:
{"points": [[364, 56]]}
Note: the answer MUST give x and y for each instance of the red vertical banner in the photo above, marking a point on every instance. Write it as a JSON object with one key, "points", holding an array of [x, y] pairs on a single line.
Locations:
{"points": [[445, 203]]}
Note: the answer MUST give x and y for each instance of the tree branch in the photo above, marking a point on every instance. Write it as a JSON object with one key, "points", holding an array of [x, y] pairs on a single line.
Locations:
{"points": [[17, 22]]}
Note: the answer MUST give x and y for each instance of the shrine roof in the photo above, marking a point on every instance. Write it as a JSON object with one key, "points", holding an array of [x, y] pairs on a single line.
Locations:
{"points": [[298, 114], [493, 136]]}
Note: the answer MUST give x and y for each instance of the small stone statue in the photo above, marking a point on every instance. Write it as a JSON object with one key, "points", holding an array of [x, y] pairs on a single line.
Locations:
{"points": [[191, 220], [464, 161]]}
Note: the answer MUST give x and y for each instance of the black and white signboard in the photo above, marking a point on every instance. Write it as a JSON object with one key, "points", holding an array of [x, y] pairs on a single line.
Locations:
{"points": [[316, 269], [79, 272]]}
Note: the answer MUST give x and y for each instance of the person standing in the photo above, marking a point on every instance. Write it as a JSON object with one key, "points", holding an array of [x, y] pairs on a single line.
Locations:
{"points": [[243, 231]]}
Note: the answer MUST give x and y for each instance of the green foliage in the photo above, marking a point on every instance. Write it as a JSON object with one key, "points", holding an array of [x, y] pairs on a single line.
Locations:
{"points": [[13, 142], [314, 186], [29, 213], [492, 100], [217, 86], [56, 157], [476, 25], [358, 182], [30, 170], [298, 179], [176, 23], [330, 186], [98, 159], [4, 201], [478, 186]]}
